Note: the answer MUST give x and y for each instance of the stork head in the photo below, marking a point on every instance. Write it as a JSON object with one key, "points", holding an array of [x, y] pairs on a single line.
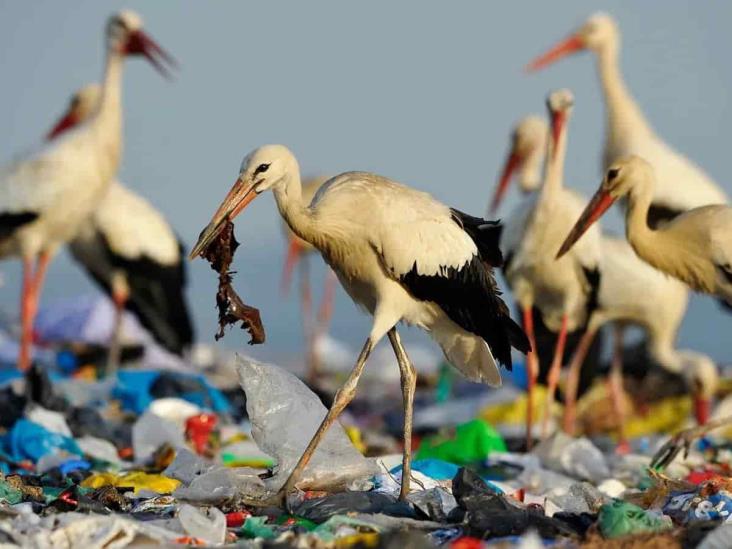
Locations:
{"points": [[528, 141], [620, 179], [598, 32], [560, 104], [81, 106], [702, 378], [125, 36], [266, 168]]}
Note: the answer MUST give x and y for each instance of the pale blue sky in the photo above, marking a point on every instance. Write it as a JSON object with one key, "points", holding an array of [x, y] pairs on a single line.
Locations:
{"points": [[421, 91]]}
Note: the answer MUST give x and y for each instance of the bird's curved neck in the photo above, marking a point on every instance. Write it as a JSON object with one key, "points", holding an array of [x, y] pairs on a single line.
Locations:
{"points": [[624, 117], [644, 240], [554, 165], [297, 214], [106, 123]]}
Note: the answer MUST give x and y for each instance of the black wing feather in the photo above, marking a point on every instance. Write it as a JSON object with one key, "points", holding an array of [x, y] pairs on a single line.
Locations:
{"points": [[469, 295], [10, 222]]}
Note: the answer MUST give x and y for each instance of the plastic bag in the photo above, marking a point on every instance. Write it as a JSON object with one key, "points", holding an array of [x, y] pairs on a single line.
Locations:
{"points": [[220, 484], [207, 524], [150, 432], [577, 457], [284, 415], [472, 442]]}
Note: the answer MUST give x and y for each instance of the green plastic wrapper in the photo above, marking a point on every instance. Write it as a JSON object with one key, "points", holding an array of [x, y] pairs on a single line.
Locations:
{"points": [[256, 527], [10, 494], [620, 518], [473, 442]]}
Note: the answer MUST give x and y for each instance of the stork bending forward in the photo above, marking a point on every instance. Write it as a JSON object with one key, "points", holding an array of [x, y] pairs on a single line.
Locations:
{"points": [[402, 256]]}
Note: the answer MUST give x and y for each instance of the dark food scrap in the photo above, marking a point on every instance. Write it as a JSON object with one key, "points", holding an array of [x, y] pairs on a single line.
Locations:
{"points": [[232, 309]]}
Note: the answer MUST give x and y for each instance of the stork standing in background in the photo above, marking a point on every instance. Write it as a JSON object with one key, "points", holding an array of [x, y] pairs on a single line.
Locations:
{"points": [[562, 292], [682, 185], [402, 256], [46, 196], [297, 252], [631, 293], [131, 251], [694, 247]]}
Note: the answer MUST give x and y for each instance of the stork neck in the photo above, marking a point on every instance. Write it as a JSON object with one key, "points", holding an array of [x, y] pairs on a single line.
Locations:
{"points": [[641, 237], [624, 117], [297, 215], [109, 113], [554, 165]]}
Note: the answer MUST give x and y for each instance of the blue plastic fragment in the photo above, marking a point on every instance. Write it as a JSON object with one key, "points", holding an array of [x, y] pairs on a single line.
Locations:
{"points": [[74, 465], [28, 440]]}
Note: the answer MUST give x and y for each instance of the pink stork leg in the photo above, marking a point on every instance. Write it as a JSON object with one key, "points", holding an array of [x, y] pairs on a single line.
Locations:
{"points": [[569, 422], [532, 372], [553, 376], [30, 297]]}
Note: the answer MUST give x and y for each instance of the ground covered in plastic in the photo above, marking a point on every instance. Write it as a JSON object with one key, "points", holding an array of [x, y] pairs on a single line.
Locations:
{"points": [[161, 458]]}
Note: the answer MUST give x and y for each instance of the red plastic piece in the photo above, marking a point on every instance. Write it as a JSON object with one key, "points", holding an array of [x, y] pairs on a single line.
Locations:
{"points": [[198, 431]]}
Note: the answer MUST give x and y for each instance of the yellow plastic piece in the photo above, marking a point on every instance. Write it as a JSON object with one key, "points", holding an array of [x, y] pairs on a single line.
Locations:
{"points": [[135, 479], [366, 539], [514, 412], [354, 434]]}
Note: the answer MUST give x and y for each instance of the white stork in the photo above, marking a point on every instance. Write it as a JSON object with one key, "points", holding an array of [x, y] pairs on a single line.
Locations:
{"points": [[631, 293], [46, 196], [131, 251], [682, 184], [562, 292], [297, 252], [402, 256]]}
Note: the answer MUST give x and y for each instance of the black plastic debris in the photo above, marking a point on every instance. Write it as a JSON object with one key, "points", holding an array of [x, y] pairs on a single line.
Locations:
{"points": [[39, 389], [11, 407], [341, 503], [487, 514]]}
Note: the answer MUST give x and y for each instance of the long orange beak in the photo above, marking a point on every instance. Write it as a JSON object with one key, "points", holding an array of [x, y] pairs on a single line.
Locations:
{"points": [[597, 206], [66, 122], [512, 163], [294, 252], [139, 43], [702, 409], [240, 195], [564, 48]]}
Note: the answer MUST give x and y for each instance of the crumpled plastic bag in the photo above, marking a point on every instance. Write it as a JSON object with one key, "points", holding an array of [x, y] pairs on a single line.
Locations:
{"points": [[150, 432], [207, 524], [28, 440], [136, 479], [187, 466], [53, 422], [221, 484], [577, 457], [580, 497], [284, 415], [621, 518]]}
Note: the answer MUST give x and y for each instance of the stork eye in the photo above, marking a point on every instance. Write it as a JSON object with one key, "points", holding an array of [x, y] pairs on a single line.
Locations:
{"points": [[261, 169], [612, 174]]}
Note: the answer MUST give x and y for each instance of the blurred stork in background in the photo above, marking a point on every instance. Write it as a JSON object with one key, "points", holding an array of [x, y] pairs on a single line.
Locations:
{"points": [[46, 196], [297, 255], [563, 292], [682, 185], [129, 249]]}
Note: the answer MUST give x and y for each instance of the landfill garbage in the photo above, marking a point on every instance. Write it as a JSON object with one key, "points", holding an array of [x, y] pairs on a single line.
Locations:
{"points": [[284, 415], [473, 441], [620, 518]]}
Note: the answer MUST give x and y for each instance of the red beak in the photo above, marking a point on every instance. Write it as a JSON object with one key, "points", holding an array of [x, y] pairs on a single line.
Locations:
{"points": [[564, 48], [597, 206], [140, 43], [702, 409], [558, 120], [512, 163], [66, 122], [294, 250]]}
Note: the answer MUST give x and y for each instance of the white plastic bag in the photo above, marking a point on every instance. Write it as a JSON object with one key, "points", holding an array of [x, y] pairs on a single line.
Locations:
{"points": [[284, 415]]}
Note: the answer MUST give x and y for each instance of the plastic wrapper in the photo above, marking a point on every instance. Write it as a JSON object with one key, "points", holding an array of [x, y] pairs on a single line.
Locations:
{"points": [[472, 442], [709, 501], [207, 524], [580, 497], [150, 432], [221, 484], [187, 466], [28, 440], [341, 503], [53, 422], [619, 518], [99, 449], [284, 415], [576, 457]]}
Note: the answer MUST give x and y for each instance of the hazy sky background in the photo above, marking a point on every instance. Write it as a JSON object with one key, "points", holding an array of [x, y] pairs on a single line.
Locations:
{"points": [[424, 92]]}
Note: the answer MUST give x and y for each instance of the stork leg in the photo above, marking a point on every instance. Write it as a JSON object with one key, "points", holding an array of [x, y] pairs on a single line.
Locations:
{"points": [[553, 376], [532, 373], [26, 323], [344, 395], [409, 385], [325, 312], [119, 298], [306, 313], [30, 297], [616, 384], [569, 422]]}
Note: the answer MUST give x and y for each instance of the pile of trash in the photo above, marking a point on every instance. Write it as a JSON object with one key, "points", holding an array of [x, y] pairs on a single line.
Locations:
{"points": [[155, 457]]}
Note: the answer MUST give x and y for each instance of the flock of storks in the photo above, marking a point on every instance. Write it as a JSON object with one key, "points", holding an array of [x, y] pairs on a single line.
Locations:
{"points": [[398, 253]]}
